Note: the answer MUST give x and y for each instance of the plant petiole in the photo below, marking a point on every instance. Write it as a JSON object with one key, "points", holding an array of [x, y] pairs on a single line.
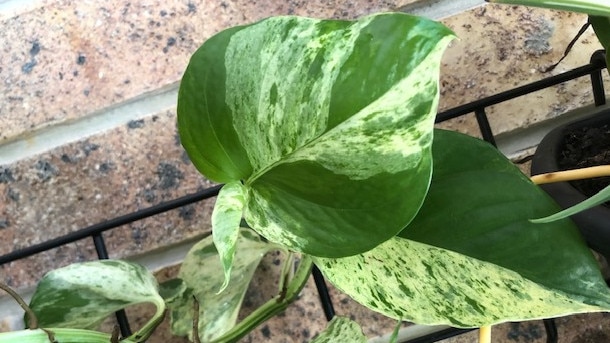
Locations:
{"points": [[286, 274], [272, 307], [196, 320], [32, 320]]}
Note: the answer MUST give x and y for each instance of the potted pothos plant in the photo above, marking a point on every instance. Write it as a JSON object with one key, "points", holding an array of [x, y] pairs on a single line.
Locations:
{"points": [[322, 132], [582, 146]]}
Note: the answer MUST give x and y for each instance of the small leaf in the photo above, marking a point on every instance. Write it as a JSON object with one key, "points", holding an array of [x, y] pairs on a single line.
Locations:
{"points": [[328, 123], [81, 295], [201, 273], [598, 199], [225, 224], [341, 330], [591, 7]]}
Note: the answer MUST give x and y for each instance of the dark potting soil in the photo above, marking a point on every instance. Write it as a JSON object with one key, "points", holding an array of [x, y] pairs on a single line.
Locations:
{"points": [[587, 147]]}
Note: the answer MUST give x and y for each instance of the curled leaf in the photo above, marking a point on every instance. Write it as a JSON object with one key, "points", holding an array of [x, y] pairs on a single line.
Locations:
{"points": [[226, 218]]}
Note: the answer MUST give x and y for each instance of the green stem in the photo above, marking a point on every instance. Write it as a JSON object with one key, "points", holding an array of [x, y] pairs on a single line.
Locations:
{"points": [[272, 307], [196, 320], [394, 336], [286, 273], [147, 330]]}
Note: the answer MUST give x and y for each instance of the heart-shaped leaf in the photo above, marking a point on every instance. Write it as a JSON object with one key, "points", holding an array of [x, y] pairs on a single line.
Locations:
{"points": [[81, 295], [471, 257], [201, 275], [328, 123]]}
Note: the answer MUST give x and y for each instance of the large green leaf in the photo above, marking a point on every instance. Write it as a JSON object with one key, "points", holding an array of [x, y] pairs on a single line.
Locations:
{"points": [[328, 123], [340, 330], [471, 257], [201, 275], [81, 295], [591, 7]]}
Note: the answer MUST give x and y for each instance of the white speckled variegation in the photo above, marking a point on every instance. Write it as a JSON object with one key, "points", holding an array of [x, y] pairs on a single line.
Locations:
{"points": [[390, 134], [412, 281], [272, 231], [341, 330], [81, 295], [281, 81], [301, 102]]}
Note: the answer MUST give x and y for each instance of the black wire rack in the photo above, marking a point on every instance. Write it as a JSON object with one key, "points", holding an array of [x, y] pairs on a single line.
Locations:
{"points": [[95, 232]]}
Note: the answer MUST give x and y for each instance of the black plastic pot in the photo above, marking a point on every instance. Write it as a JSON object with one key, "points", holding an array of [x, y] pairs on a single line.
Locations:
{"points": [[594, 224]]}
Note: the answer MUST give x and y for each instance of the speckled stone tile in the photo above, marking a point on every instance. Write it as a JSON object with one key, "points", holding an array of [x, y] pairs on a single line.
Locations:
{"points": [[501, 47], [67, 59], [107, 175]]}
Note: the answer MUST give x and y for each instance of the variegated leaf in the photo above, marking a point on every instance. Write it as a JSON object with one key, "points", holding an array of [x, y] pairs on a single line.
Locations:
{"points": [[201, 273], [591, 7], [341, 330], [471, 257], [81, 295], [226, 218], [327, 122], [407, 280]]}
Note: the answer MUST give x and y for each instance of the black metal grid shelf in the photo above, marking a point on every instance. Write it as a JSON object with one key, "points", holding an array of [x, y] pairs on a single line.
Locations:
{"points": [[95, 232]]}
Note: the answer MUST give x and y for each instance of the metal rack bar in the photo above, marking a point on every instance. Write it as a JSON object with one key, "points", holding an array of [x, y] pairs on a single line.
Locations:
{"points": [[597, 81], [110, 224], [439, 335], [484, 126], [327, 303], [551, 331], [595, 66], [102, 254]]}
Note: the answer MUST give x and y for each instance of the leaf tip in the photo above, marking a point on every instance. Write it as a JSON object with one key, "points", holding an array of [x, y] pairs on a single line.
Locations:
{"points": [[225, 283]]}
